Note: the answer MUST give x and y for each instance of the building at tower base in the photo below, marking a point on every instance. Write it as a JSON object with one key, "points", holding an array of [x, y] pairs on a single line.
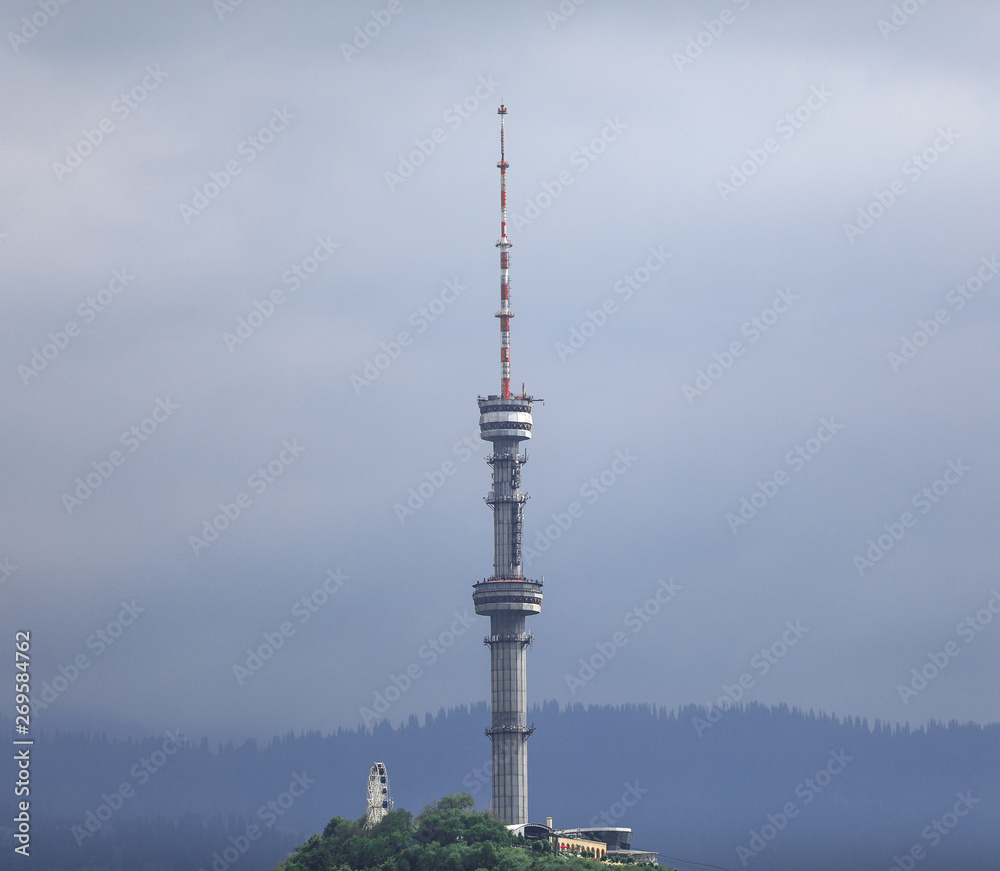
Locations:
{"points": [[606, 843]]}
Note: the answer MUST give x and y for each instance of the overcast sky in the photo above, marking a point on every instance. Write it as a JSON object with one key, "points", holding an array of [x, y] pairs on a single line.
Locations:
{"points": [[754, 269]]}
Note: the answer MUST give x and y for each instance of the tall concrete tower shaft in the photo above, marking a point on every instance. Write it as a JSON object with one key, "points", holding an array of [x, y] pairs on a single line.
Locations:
{"points": [[507, 597]]}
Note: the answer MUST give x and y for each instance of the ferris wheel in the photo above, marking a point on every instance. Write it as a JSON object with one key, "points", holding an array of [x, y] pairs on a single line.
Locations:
{"points": [[379, 800]]}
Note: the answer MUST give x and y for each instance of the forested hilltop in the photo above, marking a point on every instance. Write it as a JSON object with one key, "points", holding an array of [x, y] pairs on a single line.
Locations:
{"points": [[446, 836]]}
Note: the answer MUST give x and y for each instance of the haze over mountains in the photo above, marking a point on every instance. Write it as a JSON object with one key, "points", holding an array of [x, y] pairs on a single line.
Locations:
{"points": [[765, 788]]}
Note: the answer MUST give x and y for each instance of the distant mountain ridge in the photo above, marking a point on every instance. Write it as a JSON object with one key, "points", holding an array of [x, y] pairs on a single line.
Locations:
{"points": [[769, 788]]}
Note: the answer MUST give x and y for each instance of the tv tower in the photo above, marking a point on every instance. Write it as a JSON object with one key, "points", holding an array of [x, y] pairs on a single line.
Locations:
{"points": [[507, 597]]}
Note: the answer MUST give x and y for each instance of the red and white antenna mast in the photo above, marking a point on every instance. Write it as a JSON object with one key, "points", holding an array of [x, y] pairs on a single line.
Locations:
{"points": [[505, 314]]}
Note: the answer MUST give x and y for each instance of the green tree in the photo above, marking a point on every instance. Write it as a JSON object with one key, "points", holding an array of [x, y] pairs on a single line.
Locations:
{"points": [[455, 801]]}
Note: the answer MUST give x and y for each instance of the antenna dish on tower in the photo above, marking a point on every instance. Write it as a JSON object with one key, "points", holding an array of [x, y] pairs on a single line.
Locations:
{"points": [[379, 799]]}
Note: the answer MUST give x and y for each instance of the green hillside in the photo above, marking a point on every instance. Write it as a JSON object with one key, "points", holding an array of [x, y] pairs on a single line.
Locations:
{"points": [[446, 836]]}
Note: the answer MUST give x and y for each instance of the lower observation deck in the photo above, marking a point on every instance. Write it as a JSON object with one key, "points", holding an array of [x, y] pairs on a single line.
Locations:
{"points": [[520, 594]]}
